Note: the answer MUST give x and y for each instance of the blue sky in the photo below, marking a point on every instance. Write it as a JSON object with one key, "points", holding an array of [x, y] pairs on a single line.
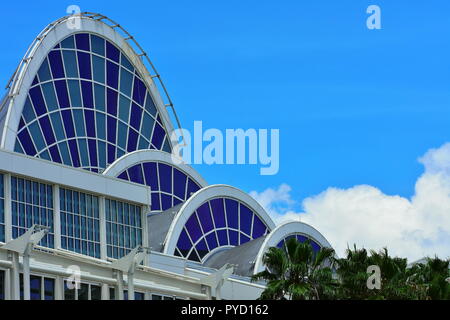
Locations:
{"points": [[353, 106]]}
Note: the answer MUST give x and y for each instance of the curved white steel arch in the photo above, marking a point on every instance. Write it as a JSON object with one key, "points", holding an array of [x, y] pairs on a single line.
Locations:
{"points": [[139, 156], [203, 195], [284, 230], [51, 36]]}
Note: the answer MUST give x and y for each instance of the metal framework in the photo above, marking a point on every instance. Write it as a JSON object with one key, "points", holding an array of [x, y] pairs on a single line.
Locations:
{"points": [[15, 82]]}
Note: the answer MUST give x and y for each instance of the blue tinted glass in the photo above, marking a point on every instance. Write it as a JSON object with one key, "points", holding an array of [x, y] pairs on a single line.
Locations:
{"points": [[151, 176], [192, 188], [57, 126], [147, 126], [179, 185], [75, 95], [92, 152], [122, 135], [26, 142], [246, 216], [202, 249], [28, 111], [70, 63], [211, 240], [193, 228], [74, 153], [64, 149], [61, 92], [54, 152], [166, 201], [68, 43], [111, 127], [82, 41], [223, 237], [258, 228], [79, 122], [98, 68], [193, 256], [82, 145], [149, 105], [184, 244], [204, 216], [38, 100], [90, 122], [158, 136], [68, 123], [139, 91], [47, 130], [244, 238], [232, 213], [56, 64], [165, 177], [135, 119], [156, 202], [98, 45], [112, 74], [218, 212], [112, 52], [50, 97], [112, 102], [100, 124], [126, 63], [132, 140], [86, 90], [37, 136], [124, 108], [84, 64], [126, 82], [99, 92], [44, 71], [233, 236], [111, 152]]}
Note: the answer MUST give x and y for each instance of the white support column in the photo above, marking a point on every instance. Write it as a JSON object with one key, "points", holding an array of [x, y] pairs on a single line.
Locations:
{"points": [[8, 213], [130, 280], [56, 216], [103, 248], [14, 275], [105, 291], [8, 284], [26, 275], [59, 288], [119, 287], [144, 210]]}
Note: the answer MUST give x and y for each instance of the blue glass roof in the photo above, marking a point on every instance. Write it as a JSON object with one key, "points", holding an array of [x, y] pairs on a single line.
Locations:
{"points": [[88, 106], [301, 238]]}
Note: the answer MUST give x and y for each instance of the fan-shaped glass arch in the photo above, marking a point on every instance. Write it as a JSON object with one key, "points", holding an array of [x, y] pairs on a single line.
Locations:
{"points": [[301, 238], [169, 186], [219, 222], [87, 106]]}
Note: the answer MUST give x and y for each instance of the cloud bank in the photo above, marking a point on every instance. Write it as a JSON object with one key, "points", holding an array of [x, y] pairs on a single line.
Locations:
{"points": [[364, 215]]}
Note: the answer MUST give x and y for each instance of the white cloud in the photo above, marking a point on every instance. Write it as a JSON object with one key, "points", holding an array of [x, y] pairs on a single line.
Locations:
{"points": [[364, 215]]}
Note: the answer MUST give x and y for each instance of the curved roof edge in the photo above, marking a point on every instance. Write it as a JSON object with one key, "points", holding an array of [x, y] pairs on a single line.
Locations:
{"points": [[139, 156], [51, 35], [199, 198], [284, 230]]}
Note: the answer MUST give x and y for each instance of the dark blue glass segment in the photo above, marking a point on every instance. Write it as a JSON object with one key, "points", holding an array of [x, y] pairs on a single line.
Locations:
{"points": [[61, 92], [111, 153], [232, 213], [90, 122], [158, 136], [68, 123], [56, 64], [132, 140], [193, 228], [28, 111], [179, 184], [82, 41], [202, 249], [151, 175], [68, 43], [93, 152], [38, 101], [223, 237], [165, 177], [26, 142], [156, 202], [54, 152], [84, 64], [136, 114], [246, 216], [112, 74], [112, 52], [98, 45], [73, 148], [44, 71], [47, 129], [184, 244], [135, 174], [112, 122], [191, 188], [86, 90], [218, 212], [112, 102], [259, 228], [233, 235], [166, 201], [204, 216]]}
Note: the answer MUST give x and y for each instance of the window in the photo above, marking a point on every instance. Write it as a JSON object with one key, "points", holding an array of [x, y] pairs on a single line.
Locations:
{"points": [[31, 203], [83, 74], [41, 288], [137, 295], [123, 227], [216, 223], [80, 222], [162, 297], [86, 291], [301, 238]]}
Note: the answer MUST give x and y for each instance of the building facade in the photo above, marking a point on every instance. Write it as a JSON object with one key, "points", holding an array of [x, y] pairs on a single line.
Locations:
{"points": [[92, 205]]}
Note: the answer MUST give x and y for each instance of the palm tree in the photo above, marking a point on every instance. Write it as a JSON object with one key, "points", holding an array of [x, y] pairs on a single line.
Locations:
{"points": [[296, 272], [432, 276]]}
